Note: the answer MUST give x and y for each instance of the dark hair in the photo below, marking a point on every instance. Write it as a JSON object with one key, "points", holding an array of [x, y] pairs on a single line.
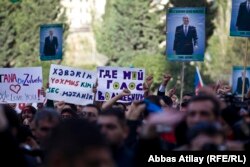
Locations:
{"points": [[206, 128], [94, 106], [72, 138], [116, 112], [12, 117], [122, 104], [72, 106], [30, 108], [213, 100], [46, 113], [188, 94], [167, 100], [71, 112]]}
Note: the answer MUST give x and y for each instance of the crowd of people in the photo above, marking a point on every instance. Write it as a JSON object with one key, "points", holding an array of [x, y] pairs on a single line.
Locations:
{"points": [[113, 134]]}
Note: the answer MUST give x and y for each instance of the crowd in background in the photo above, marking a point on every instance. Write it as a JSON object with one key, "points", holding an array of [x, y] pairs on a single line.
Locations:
{"points": [[110, 134]]}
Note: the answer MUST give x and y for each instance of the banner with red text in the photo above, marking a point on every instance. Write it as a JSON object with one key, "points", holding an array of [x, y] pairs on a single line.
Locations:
{"points": [[21, 85], [71, 85]]}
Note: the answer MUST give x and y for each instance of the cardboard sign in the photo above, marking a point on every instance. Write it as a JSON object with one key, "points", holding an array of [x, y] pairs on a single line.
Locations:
{"points": [[185, 34], [71, 85], [240, 24], [21, 85], [112, 80]]}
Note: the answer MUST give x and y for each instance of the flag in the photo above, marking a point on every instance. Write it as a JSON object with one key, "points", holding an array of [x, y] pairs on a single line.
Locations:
{"points": [[198, 81]]}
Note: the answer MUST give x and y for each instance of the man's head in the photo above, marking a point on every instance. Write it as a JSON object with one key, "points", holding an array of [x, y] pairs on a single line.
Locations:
{"points": [[50, 32], [28, 113], [205, 136], [185, 20], [243, 74], [187, 96], [45, 120], [90, 112], [75, 143], [113, 125], [202, 109], [68, 114]]}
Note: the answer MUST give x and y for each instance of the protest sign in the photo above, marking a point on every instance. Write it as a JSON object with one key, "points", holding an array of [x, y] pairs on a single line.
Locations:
{"points": [[71, 85], [240, 24], [112, 80], [21, 85], [237, 80], [51, 42], [185, 34]]}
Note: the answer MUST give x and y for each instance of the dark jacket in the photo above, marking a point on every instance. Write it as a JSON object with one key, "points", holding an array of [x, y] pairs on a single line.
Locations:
{"points": [[239, 86], [184, 44], [50, 46], [243, 19]]}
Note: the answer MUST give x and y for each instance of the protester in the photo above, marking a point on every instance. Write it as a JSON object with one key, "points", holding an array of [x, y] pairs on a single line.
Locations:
{"points": [[113, 125], [77, 143], [27, 115], [45, 120], [90, 112], [67, 135]]}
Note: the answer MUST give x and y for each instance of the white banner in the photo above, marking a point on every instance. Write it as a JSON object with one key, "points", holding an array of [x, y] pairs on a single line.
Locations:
{"points": [[71, 85], [21, 85], [112, 80]]}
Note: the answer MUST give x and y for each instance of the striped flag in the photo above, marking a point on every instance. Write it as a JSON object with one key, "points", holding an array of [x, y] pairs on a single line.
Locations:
{"points": [[198, 81]]}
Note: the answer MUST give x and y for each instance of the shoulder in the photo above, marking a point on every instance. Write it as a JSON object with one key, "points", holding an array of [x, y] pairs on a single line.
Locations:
{"points": [[179, 27], [192, 27], [243, 4]]}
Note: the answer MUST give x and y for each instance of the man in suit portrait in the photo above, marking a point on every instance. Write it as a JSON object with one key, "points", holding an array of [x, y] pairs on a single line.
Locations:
{"points": [[243, 19], [185, 38], [240, 82], [50, 45]]}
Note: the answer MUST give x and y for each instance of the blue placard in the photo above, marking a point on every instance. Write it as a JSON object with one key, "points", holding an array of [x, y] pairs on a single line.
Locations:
{"points": [[237, 75], [51, 42], [240, 18], [185, 34]]}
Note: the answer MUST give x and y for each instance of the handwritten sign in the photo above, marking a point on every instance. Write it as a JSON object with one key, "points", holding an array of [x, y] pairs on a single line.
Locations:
{"points": [[21, 85], [112, 80], [71, 85]]}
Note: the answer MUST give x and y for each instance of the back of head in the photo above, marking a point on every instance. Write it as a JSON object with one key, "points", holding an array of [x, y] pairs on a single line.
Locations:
{"points": [[46, 114], [72, 139], [11, 116]]}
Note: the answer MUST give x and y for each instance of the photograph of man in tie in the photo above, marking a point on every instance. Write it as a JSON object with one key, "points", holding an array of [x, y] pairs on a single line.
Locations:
{"points": [[50, 45], [240, 82], [243, 19], [185, 38]]}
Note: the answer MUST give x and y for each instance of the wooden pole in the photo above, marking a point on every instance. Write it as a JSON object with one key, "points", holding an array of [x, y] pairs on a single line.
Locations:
{"points": [[245, 67], [182, 81]]}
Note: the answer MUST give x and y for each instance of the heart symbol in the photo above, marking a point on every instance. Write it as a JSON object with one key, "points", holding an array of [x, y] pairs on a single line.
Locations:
{"points": [[15, 88]]}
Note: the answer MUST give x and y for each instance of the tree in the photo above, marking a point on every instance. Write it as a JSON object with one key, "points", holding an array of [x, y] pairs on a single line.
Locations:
{"points": [[19, 29], [224, 51], [128, 29]]}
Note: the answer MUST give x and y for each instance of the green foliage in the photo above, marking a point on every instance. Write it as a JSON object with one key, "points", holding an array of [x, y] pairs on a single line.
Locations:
{"points": [[224, 51], [128, 29], [19, 29]]}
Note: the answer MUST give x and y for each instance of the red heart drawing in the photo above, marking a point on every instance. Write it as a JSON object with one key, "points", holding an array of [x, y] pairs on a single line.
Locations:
{"points": [[15, 88]]}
